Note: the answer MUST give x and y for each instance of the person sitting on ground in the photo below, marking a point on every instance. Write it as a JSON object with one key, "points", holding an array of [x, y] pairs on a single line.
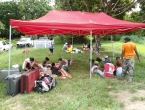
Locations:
{"points": [[63, 63], [85, 47], [28, 64], [60, 72], [65, 46], [96, 69], [46, 62], [107, 60], [118, 69], [118, 60]]}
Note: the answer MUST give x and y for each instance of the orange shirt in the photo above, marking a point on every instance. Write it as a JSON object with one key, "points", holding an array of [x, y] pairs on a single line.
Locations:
{"points": [[128, 48]]}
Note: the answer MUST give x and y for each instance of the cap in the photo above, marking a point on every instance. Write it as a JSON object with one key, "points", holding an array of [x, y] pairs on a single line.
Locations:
{"points": [[66, 43], [127, 39], [96, 62], [106, 56]]}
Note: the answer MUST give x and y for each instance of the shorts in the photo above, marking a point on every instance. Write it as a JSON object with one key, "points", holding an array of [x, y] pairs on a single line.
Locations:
{"points": [[51, 50]]}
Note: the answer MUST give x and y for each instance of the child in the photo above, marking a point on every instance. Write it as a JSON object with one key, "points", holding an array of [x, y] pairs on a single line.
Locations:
{"points": [[118, 69]]}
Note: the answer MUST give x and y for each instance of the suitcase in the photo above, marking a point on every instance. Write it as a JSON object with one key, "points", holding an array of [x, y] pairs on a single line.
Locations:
{"points": [[108, 70], [13, 84], [4, 73], [27, 80]]}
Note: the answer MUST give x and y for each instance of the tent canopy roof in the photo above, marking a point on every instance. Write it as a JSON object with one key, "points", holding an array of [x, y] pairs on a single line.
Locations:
{"points": [[74, 22]]}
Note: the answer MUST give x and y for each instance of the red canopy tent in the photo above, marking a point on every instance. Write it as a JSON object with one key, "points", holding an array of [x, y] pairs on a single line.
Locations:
{"points": [[74, 22]]}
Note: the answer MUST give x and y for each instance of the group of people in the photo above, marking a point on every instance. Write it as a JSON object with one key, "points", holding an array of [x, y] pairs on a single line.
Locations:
{"points": [[59, 69], [123, 65], [99, 66]]}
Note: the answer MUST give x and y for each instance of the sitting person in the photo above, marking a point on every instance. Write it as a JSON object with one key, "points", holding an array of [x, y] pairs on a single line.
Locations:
{"points": [[118, 69], [28, 64], [96, 69], [65, 46], [107, 60], [63, 63], [60, 71], [85, 47], [118, 60], [106, 71], [46, 63]]}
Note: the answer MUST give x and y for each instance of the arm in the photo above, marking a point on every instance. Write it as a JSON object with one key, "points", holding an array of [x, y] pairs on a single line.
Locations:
{"points": [[25, 66], [137, 54], [122, 54]]}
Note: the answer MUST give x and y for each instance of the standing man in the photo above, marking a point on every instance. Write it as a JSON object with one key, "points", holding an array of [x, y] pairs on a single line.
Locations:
{"points": [[51, 46], [128, 49]]}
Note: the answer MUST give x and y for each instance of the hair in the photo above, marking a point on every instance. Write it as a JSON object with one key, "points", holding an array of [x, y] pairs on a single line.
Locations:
{"points": [[60, 59], [52, 64], [117, 58], [44, 63], [46, 58], [31, 59]]}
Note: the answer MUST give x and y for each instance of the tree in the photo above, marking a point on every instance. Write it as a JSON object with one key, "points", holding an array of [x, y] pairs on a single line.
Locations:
{"points": [[21, 9], [115, 8]]}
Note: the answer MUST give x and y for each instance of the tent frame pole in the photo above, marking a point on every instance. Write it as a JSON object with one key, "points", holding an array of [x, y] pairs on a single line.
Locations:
{"points": [[112, 48], [9, 58], [90, 54]]}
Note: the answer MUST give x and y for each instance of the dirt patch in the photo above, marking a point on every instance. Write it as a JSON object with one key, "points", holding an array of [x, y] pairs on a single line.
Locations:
{"points": [[128, 100]]}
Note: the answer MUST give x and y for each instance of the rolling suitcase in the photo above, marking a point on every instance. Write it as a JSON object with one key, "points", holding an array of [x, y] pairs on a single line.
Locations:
{"points": [[28, 79], [4, 73], [13, 84]]}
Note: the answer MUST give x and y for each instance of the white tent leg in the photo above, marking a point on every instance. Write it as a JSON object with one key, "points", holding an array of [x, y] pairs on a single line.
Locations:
{"points": [[72, 48], [9, 50], [90, 53], [112, 49]]}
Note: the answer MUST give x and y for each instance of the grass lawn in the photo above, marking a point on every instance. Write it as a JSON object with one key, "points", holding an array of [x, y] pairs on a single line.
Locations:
{"points": [[78, 93]]}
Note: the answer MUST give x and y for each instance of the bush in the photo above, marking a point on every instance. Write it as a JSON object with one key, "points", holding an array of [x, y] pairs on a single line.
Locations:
{"points": [[135, 38]]}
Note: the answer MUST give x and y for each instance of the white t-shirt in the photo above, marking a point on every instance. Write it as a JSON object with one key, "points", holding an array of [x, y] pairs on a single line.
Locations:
{"points": [[27, 60], [95, 66], [119, 71]]}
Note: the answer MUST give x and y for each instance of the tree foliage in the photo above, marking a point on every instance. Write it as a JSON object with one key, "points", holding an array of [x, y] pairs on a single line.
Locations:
{"points": [[116, 8], [21, 9]]}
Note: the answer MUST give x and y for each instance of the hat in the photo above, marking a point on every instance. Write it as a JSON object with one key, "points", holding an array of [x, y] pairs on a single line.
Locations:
{"points": [[106, 56], [96, 62], [127, 39]]}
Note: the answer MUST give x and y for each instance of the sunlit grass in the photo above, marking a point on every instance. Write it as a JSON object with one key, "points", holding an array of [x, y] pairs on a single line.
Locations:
{"points": [[78, 93]]}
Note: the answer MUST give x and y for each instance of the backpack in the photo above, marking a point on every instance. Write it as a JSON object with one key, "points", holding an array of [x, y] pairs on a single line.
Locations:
{"points": [[44, 84]]}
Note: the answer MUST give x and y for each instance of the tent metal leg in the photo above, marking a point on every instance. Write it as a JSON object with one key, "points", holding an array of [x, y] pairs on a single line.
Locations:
{"points": [[90, 54], [9, 49], [112, 48]]}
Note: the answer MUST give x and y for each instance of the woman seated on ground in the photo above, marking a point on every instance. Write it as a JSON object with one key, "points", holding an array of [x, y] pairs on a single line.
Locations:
{"points": [[28, 64], [118, 69], [60, 72], [85, 47], [46, 62]]}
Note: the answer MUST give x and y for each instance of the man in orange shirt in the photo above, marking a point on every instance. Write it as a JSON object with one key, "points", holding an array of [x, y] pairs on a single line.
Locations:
{"points": [[128, 49]]}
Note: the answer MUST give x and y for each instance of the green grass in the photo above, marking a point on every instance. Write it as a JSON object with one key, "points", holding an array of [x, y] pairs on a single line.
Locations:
{"points": [[78, 93]]}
